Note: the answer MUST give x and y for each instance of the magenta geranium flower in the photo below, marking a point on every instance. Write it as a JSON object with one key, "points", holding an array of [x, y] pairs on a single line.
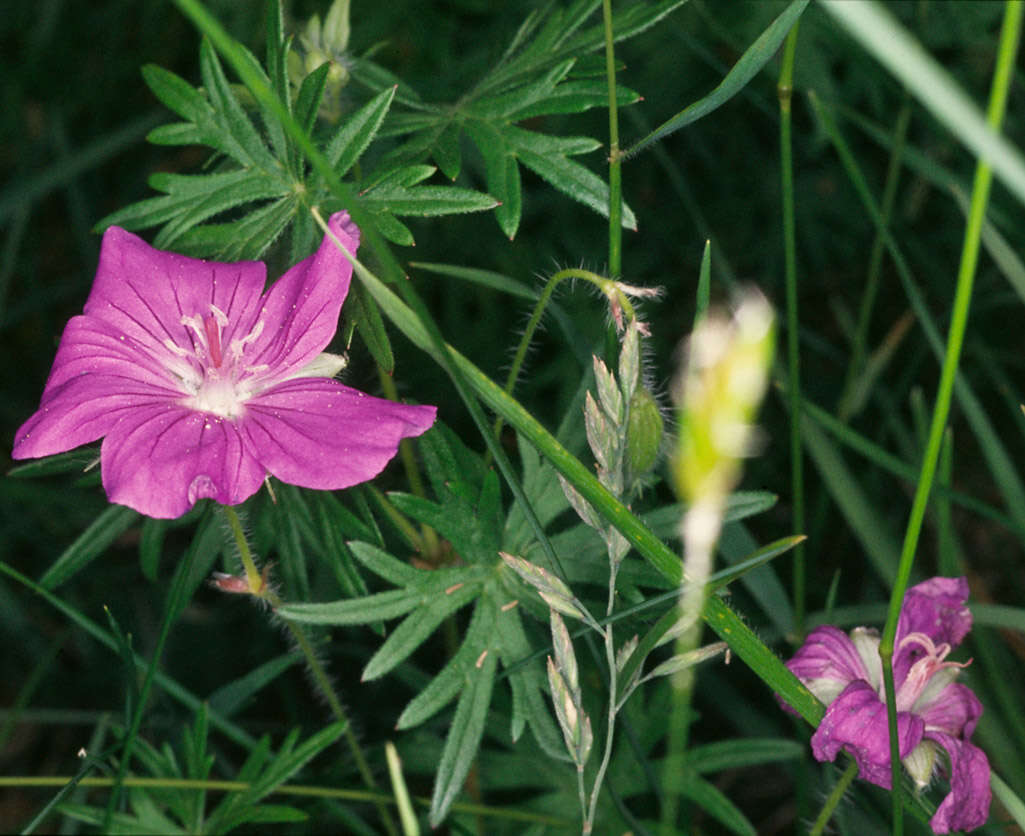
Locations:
{"points": [[934, 713], [201, 384]]}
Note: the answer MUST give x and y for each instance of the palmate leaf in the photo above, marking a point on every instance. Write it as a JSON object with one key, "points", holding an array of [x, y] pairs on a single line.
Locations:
{"points": [[467, 512], [261, 184], [534, 78], [250, 173]]}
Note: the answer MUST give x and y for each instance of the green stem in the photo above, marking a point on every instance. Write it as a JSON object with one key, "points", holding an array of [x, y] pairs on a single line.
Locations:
{"points": [[599, 778], [785, 92], [245, 554], [730, 627], [834, 799], [260, 589], [615, 157], [613, 707], [1009, 38], [309, 791], [399, 520], [607, 286]]}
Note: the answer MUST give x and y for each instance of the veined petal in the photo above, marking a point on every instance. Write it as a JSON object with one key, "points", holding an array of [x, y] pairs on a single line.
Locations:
{"points": [[145, 293], [90, 346], [856, 721], [967, 804], [936, 608], [83, 409], [827, 663], [317, 433], [954, 711], [300, 311], [161, 459]]}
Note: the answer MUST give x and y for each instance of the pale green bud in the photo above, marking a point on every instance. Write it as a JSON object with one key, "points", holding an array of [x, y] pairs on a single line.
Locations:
{"points": [[643, 433]]}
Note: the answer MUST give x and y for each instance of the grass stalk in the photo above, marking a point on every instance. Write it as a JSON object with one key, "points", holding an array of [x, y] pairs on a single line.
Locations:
{"points": [[785, 91], [615, 157], [1007, 50]]}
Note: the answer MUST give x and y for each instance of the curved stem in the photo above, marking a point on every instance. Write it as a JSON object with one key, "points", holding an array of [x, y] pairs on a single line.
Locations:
{"points": [[608, 287]]}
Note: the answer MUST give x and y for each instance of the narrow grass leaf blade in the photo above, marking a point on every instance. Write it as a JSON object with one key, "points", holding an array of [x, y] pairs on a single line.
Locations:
{"points": [[750, 63], [230, 698], [717, 805], [895, 48], [291, 761], [867, 526], [105, 529], [485, 278]]}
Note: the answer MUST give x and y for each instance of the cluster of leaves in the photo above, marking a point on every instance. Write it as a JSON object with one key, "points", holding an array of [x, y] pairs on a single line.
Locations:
{"points": [[181, 811], [468, 512], [548, 68], [388, 149], [262, 178]]}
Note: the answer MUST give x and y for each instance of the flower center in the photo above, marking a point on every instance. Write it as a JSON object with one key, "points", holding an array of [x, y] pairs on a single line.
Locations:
{"points": [[215, 378], [924, 680]]}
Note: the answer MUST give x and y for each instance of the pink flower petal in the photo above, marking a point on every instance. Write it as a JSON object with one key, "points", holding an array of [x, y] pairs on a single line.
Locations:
{"points": [[827, 662], [967, 804], [936, 608], [955, 711], [90, 346], [80, 411], [856, 721], [300, 311], [145, 293], [317, 433], [162, 458]]}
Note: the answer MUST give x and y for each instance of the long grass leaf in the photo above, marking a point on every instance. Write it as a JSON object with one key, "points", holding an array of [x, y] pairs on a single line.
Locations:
{"points": [[875, 28], [751, 62]]}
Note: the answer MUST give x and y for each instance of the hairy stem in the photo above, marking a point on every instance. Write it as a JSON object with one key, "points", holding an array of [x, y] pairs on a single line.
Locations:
{"points": [[260, 589]]}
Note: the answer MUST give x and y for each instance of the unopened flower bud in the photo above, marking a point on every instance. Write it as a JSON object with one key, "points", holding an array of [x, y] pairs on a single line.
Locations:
{"points": [[643, 433]]}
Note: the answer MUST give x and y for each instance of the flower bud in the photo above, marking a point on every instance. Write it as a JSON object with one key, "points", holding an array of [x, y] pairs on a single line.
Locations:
{"points": [[643, 433]]}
